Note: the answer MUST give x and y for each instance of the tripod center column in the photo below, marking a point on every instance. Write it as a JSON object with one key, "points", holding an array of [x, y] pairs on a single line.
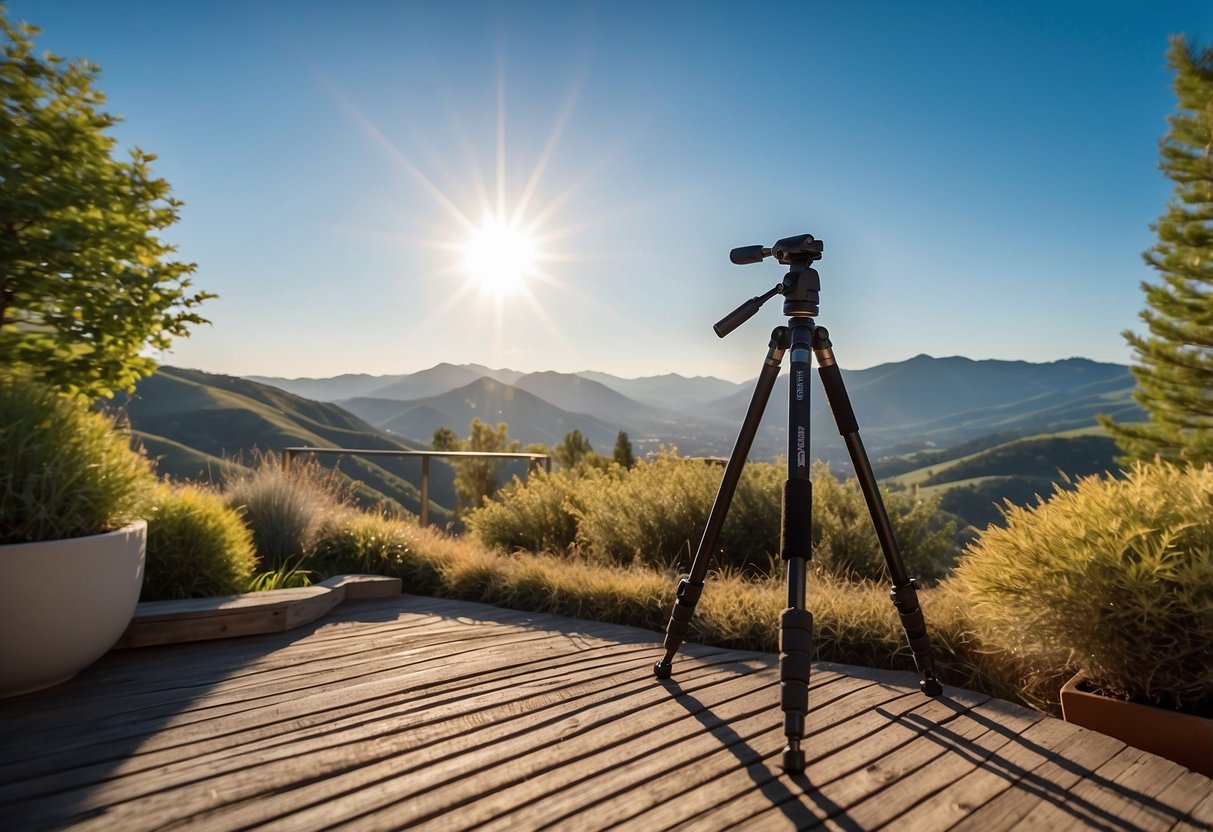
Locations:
{"points": [[795, 543]]}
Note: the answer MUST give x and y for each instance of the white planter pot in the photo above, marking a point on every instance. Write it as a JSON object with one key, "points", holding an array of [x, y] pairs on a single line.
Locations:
{"points": [[63, 603]]}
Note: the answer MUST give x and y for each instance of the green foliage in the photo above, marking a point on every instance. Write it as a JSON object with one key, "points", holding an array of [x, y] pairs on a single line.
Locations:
{"points": [[356, 542], [572, 449], [285, 508], [476, 479], [844, 539], [1114, 578], [288, 576], [197, 547], [538, 514], [623, 451], [64, 471], [85, 284], [1173, 365], [655, 514]]}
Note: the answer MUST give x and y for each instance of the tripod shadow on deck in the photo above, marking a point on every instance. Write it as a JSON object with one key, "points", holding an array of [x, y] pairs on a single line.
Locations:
{"points": [[762, 769]]}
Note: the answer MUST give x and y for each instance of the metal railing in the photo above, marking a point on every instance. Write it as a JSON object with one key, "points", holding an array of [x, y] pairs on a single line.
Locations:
{"points": [[289, 453]]}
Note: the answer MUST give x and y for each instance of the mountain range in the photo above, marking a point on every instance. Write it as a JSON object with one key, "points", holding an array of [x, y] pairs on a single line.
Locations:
{"points": [[1005, 419], [905, 407]]}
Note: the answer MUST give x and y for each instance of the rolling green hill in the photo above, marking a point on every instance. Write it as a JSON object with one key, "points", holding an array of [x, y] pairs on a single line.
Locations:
{"points": [[199, 425], [973, 485]]}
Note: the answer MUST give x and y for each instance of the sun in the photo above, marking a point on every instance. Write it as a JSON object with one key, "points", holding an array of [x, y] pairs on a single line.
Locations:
{"points": [[499, 257]]}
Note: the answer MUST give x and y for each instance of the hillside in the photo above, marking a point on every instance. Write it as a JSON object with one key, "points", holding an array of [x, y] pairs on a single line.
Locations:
{"points": [[928, 403], [195, 424], [974, 485]]}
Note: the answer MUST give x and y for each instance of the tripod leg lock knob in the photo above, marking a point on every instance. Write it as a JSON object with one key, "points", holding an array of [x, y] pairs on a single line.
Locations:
{"points": [[689, 592]]}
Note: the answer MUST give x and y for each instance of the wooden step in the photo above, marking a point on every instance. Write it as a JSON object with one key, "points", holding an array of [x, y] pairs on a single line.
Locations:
{"points": [[251, 613]]}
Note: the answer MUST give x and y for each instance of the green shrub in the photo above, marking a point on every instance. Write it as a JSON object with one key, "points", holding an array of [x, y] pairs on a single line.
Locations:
{"points": [[538, 514], [353, 542], [1114, 579], [844, 539], [196, 546], [64, 471], [285, 507], [655, 514]]}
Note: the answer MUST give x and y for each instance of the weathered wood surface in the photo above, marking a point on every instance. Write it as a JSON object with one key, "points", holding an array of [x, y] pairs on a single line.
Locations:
{"points": [[252, 613], [422, 713]]}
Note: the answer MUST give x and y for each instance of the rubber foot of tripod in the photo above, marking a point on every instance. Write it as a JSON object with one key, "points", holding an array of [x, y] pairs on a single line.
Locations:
{"points": [[663, 669], [931, 687], [793, 760]]}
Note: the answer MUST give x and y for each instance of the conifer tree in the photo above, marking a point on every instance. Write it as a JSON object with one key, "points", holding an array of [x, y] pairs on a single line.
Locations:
{"points": [[1173, 364], [572, 449], [623, 451]]}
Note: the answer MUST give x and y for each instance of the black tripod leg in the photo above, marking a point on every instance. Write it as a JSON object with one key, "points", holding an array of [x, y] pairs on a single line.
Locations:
{"points": [[691, 587], [905, 590], [795, 548]]}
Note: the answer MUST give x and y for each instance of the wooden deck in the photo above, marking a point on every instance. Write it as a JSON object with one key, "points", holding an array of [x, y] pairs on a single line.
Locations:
{"points": [[422, 713]]}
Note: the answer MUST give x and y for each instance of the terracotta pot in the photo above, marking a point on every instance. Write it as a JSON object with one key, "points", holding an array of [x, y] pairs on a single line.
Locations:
{"points": [[1184, 738], [63, 603]]}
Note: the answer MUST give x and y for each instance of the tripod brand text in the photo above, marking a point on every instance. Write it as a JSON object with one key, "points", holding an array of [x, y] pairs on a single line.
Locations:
{"points": [[800, 385], [800, 460]]}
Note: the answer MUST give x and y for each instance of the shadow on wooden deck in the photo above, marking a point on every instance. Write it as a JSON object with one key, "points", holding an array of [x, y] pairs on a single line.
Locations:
{"points": [[424, 713]]}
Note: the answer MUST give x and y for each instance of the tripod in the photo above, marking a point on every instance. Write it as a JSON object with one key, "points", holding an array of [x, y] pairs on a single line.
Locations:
{"points": [[800, 288]]}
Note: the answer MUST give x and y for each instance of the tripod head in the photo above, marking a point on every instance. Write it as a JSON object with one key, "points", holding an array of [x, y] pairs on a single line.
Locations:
{"points": [[800, 286]]}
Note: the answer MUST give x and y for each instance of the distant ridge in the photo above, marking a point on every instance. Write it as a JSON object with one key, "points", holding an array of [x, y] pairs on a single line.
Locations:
{"points": [[903, 407], [530, 418]]}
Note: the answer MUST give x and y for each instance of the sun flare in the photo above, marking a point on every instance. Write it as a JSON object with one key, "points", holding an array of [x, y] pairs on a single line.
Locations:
{"points": [[499, 257]]}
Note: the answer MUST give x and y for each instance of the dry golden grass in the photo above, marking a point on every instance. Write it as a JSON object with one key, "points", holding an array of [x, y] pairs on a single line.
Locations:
{"points": [[854, 622]]}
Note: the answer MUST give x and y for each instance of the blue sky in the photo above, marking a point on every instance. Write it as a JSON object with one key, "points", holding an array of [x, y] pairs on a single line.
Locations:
{"points": [[983, 174]]}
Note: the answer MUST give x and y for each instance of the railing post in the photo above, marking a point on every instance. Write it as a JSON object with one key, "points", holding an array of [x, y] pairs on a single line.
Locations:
{"points": [[425, 491], [286, 460]]}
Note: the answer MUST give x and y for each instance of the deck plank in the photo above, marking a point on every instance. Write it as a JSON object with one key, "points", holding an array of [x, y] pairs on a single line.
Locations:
{"points": [[435, 714]]}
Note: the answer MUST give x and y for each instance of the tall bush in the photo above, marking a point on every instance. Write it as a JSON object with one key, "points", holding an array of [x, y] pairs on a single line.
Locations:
{"points": [[284, 508], [1114, 579], [64, 471], [538, 514], [655, 514]]}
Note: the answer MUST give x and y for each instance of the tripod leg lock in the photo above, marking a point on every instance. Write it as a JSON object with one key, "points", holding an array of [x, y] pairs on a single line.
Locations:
{"points": [[680, 617], [905, 599]]}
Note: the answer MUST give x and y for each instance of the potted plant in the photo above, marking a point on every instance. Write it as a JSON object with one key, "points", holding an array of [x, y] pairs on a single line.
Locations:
{"points": [[1112, 582], [71, 537]]}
